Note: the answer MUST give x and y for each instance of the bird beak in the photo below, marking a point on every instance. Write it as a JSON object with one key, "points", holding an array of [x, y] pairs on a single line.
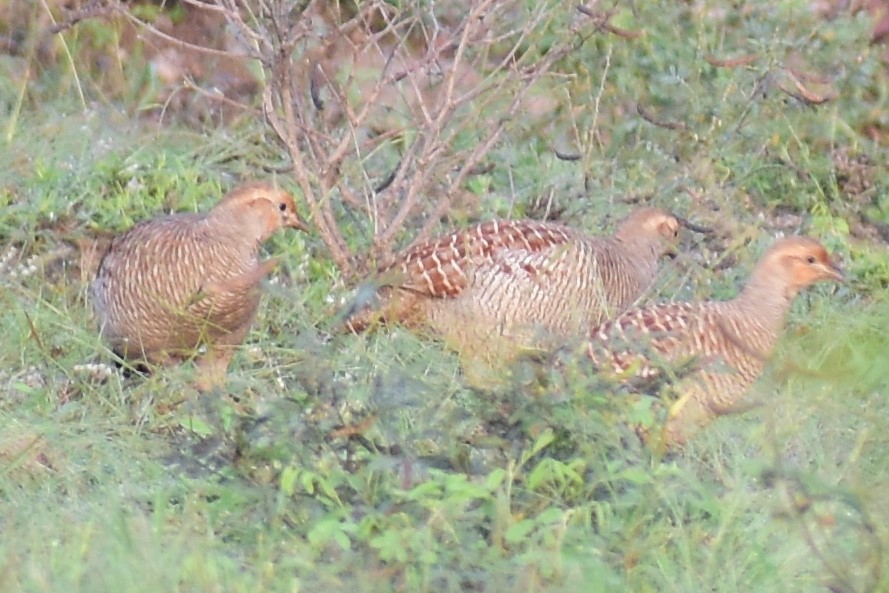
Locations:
{"points": [[833, 272], [692, 226], [295, 222]]}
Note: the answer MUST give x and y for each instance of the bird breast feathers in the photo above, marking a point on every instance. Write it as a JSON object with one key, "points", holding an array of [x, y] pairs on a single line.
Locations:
{"points": [[177, 255]]}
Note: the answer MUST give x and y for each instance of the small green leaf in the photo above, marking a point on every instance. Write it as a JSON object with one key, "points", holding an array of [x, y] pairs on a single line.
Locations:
{"points": [[636, 475], [543, 440], [196, 425], [495, 479], [519, 531], [288, 480]]}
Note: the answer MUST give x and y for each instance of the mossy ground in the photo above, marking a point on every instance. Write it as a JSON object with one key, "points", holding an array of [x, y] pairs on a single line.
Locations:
{"points": [[367, 463]]}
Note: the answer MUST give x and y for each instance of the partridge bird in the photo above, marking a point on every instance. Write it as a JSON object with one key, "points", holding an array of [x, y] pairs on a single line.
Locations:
{"points": [[500, 286], [170, 285], [727, 344]]}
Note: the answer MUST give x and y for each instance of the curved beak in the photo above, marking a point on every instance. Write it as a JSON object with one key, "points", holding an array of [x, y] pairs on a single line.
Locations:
{"points": [[833, 271], [692, 226], [292, 221]]}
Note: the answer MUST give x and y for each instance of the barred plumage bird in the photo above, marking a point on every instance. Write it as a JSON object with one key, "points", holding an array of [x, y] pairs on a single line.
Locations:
{"points": [[500, 286], [727, 343], [170, 285]]}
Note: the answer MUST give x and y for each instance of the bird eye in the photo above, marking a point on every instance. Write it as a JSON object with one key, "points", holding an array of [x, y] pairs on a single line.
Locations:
{"points": [[810, 259], [282, 207]]}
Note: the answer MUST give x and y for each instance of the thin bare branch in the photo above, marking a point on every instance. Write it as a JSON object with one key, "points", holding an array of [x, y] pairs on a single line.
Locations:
{"points": [[731, 62], [484, 147], [216, 95], [650, 118], [93, 9], [210, 7], [802, 93], [602, 21], [180, 43]]}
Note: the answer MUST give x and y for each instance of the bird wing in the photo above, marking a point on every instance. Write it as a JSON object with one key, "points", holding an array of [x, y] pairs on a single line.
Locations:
{"points": [[240, 282], [639, 342], [443, 268]]}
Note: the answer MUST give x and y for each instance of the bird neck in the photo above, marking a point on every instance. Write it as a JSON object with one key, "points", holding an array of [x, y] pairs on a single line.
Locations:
{"points": [[766, 301], [236, 224], [645, 255]]}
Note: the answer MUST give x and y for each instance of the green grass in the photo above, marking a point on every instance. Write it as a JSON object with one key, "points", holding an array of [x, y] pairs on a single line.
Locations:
{"points": [[132, 484]]}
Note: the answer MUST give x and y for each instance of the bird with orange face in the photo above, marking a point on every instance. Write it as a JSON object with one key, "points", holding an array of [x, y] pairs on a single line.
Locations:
{"points": [[504, 286], [173, 285], [727, 343]]}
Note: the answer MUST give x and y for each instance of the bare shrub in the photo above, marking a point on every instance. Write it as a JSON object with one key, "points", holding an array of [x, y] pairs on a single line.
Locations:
{"points": [[385, 109]]}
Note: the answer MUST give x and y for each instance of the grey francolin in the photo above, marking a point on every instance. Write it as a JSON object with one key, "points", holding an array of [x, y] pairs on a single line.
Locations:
{"points": [[727, 344], [170, 285], [501, 286]]}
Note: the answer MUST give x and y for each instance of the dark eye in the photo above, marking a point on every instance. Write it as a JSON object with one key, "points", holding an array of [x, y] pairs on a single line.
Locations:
{"points": [[282, 207], [810, 259]]}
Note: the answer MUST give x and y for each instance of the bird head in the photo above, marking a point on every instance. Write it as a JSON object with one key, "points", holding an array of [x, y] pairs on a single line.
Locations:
{"points": [[795, 263], [650, 229], [805, 261], [263, 208]]}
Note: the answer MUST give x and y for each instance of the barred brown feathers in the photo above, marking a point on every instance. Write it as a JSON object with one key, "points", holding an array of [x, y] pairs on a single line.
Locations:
{"points": [[521, 282], [441, 268], [727, 343], [173, 284]]}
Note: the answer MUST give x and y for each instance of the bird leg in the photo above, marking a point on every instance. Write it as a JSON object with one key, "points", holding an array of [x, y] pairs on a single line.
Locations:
{"points": [[685, 417], [211, 369], [726, 409]]}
